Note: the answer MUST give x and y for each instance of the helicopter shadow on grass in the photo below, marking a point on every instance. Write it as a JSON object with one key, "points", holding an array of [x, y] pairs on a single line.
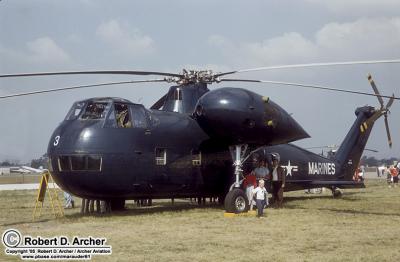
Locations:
{"points": [[156, 209], [26, 222], [292, 205], [346, 211]]}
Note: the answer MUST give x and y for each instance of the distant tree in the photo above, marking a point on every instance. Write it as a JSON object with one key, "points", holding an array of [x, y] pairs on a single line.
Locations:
{"points": [[388, 161], [372, 161], [369, 161], [40, 162], [8, 162]]}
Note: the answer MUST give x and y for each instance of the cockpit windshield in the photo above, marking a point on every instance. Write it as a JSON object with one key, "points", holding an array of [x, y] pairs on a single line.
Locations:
{"points": [[75, 111], [95, 110]]}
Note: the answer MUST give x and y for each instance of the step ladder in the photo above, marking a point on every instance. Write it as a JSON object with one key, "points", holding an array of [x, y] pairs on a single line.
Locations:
{"points": [[47, 185]]}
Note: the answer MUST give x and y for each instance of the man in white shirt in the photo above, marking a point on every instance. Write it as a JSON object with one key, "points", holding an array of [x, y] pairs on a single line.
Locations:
{"points": [[261, 197]]}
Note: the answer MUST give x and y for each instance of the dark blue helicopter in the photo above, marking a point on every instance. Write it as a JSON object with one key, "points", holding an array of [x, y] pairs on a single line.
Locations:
{"points": [[194, 142]]}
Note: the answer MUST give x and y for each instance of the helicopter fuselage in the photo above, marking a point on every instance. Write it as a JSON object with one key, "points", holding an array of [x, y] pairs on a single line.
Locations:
{"points": [[94, 154]]}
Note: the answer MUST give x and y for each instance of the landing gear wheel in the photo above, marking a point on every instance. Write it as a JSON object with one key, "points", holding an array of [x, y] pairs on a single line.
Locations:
{"points": [[236, 201], [336, 193], [117, 204]]}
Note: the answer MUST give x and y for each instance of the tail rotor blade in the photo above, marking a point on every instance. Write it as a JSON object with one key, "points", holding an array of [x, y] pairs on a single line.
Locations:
{"points": [[378, 95], [388, 132], [389, 104]]}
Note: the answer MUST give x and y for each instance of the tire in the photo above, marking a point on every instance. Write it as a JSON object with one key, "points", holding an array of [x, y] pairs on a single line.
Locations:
{"points": [[236, 201], [337, 194], [117, 204]]}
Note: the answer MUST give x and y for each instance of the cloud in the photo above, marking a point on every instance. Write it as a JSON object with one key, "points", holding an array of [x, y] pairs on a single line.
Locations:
{"points": [[358, 6], [362, 39], [40, 52], [45, 50], [130, 42]]}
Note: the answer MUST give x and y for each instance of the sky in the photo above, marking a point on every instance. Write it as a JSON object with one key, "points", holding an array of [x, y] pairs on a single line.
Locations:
{"points": [[55, 35]]}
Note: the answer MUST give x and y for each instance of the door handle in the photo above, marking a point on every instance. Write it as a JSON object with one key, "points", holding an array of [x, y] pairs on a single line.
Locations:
{"points": [[138, 152]]}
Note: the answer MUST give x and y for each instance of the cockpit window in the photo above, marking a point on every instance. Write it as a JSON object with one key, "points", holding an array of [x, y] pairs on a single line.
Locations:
{"points": [[75, 111], [123, 116], [95, 110], [138, 117]]}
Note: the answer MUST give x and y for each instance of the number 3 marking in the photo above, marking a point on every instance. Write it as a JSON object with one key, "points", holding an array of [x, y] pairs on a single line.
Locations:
{"points": [[56, 140]]}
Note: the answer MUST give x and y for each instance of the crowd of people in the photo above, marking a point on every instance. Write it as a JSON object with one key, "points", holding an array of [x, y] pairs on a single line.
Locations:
{"points": [[391, 172]]}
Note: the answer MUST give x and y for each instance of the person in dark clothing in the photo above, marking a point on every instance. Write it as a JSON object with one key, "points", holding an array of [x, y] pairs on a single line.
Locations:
{"points": [[278, 182]]}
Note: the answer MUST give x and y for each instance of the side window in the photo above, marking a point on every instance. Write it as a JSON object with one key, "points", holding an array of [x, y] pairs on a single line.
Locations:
{"points": [[196, 158], [138, 116], [80, 163], [111, 121], [161, 156], [122, 116]]}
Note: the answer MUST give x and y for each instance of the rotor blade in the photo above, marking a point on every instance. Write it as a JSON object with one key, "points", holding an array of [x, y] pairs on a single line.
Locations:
{"points": [[306, 85], [110, 72], [388, 132], [319, 147], [389, 104], [160, 102], [371, 81], [79, 87], [311, 65]]}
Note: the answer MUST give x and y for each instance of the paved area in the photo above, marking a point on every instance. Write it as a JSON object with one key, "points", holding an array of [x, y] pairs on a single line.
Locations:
{"points": [[20, 186]]}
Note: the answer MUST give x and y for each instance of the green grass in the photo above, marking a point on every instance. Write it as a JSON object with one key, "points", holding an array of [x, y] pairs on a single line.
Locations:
{"points": [[364, 225]]}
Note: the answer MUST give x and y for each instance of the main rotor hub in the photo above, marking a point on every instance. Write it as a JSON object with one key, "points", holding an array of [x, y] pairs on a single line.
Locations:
{"points": [[194, 76]]}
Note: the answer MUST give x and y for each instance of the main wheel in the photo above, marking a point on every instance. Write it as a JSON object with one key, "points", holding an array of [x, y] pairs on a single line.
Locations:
{"points": [[236, 201]]}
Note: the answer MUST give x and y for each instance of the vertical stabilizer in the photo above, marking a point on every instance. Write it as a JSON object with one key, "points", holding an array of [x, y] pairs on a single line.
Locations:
{"points": [[350, 151]]}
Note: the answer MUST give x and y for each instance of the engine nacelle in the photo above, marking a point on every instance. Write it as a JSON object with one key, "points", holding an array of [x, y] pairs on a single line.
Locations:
{"points": [[236, 115]]}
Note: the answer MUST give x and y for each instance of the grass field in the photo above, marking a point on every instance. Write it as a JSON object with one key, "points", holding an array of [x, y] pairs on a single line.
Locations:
{"points": [[364, 225], [19, 179]]}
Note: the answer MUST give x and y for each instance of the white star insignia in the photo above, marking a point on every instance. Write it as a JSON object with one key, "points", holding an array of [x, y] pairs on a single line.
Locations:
{"points": [[289, 169]]}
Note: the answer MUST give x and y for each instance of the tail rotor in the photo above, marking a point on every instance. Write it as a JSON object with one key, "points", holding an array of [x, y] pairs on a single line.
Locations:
{"points": [[383, 110]]}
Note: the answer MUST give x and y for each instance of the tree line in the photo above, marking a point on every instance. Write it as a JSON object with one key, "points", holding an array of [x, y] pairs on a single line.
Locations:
{"points": [[372, 161]]}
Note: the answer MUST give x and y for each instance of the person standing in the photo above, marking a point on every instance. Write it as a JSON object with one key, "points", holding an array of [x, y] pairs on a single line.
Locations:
{"points": [[261, 197], [69, 200], [262, 171], [398, 167], [278, 182], [250, 183], [395, 175]]}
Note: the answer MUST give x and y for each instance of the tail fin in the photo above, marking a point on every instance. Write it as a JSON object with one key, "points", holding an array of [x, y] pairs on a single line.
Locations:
{"points": [[349, 153]]}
